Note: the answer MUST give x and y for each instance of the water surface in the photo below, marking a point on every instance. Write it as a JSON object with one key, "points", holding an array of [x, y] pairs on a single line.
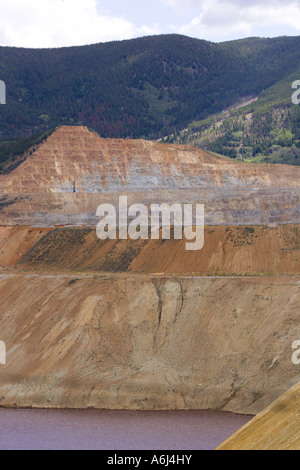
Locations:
{"points": [[116, 430]]}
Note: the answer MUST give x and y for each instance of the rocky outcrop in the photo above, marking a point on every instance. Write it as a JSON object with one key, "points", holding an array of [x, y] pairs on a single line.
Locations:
{"points": [[134, 342]]}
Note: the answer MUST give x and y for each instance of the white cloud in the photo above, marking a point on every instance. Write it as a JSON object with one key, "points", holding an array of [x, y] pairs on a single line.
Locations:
{"points": [[184, 4], [221, 19], [55, 23]]}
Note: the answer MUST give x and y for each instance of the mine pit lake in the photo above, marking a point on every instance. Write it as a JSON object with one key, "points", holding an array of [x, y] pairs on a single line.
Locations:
{"points": [[115, 430]]}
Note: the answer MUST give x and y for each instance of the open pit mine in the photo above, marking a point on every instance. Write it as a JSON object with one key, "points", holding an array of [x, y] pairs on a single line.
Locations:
{"points": [[145, 324]]}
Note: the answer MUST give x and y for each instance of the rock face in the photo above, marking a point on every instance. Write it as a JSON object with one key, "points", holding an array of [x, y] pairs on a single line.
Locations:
{"points": [[41, 190], [276, 428], [134, 342]]}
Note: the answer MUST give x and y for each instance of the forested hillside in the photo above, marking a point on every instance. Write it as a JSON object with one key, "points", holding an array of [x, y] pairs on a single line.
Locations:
{"points": [[264, 129], [150, 87]]}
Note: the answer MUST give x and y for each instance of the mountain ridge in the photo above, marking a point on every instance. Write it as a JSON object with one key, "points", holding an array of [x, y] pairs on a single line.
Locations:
{"points": [[143, 87]]}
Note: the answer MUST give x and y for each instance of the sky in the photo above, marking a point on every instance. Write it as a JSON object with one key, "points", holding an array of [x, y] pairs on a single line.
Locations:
{"points": [[59, 23]]}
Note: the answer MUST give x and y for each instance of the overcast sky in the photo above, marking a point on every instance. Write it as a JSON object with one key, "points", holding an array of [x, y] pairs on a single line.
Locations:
{"points": [[56, 23]]}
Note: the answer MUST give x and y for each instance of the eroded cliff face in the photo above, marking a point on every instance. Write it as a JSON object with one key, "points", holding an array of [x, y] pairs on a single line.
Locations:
{"points": [[134, 342], [40, 190]]}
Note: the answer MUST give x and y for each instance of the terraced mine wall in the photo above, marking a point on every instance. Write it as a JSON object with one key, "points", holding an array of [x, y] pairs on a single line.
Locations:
{"points": [[147, 324], [237, 206], [40, 191]]}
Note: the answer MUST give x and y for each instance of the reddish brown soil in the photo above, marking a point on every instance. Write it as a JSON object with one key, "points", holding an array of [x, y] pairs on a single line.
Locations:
{"points": [[227, 250]]}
